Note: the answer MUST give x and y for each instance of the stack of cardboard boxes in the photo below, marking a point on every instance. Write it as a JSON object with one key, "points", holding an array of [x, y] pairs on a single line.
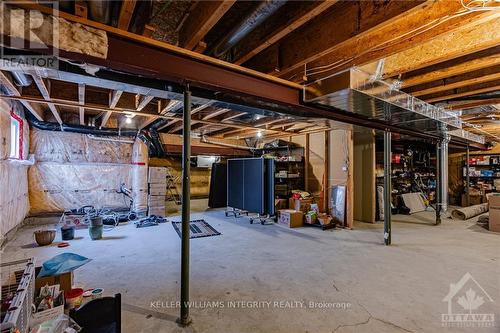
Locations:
{"points": [[294, 217], [157, 187]]}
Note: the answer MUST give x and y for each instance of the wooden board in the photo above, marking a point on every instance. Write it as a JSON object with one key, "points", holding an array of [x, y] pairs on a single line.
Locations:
{"points": [[364, 175]]}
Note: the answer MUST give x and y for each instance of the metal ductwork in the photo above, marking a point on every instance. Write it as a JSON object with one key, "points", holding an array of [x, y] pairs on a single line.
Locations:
{"points": [[250, 22], [359, 92]]}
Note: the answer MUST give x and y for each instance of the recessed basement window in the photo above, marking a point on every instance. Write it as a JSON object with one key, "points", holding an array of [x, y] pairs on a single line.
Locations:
{"points": [[15, 138]]}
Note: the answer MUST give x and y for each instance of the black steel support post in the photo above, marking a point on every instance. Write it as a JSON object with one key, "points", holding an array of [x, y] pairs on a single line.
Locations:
{"points": [[439, 173], [184, 319], [467, 177], [387, 187]]}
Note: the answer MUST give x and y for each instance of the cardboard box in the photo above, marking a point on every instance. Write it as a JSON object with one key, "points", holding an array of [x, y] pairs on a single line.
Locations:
{"points": [[157, 189], [156, 200], [494, 208], [280, 204], [65, 280], [157, 175], [302, 205], [157, 210], [291, 218], [324, 219]]}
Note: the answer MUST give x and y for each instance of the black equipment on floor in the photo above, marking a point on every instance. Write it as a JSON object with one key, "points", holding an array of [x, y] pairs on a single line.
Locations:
{"points": [[101, 315], [250, 185], [217, 196]]}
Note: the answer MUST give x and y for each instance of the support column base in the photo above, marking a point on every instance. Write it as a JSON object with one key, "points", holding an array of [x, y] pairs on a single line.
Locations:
{"points": [[184, 322]]}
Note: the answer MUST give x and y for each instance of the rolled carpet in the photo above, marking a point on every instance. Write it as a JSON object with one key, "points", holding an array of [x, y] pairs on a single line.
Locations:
{"points": [[469, 212]]}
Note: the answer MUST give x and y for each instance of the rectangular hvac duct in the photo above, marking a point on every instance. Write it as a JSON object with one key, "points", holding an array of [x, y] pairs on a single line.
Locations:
{"points": [[356, 91]]}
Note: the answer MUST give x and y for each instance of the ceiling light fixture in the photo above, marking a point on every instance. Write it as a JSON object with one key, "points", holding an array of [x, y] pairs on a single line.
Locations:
{"points": [[259, 134]]}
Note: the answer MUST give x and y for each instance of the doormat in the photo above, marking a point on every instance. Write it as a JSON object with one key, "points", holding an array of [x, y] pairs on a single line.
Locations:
{"points": [[197, 229]]}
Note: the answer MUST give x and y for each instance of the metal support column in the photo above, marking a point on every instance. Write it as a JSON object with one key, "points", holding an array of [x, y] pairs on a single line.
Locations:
{"points": [[439, 180], [467, 177], [387, 187], [184, 319]]}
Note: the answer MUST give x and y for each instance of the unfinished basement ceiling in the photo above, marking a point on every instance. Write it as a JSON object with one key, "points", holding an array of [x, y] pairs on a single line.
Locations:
{"points": [[446, 53]]}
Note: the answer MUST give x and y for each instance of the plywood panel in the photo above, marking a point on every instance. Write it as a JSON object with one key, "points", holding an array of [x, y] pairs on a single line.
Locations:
{"points": [[316, 166], [364, 177], [339, 166]]}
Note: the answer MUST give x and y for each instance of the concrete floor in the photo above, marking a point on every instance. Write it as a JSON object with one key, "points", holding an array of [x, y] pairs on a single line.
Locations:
{"points": [[381, 289]]}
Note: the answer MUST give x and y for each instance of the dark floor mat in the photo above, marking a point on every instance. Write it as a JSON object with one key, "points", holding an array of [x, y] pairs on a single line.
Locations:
{"points": [[197, 229]]}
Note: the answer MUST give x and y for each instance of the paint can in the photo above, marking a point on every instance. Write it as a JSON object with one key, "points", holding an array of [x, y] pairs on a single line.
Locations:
{"points": [[67, 233]]}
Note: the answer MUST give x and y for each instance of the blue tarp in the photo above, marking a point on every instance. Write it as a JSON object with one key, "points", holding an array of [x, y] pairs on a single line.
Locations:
{"points": [[62, 263]]}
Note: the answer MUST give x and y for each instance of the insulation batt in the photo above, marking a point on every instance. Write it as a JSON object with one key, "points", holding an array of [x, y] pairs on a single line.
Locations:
{"points": [[73, 37], [73, 170], [64, 147], [14, 203], [13, 195]]}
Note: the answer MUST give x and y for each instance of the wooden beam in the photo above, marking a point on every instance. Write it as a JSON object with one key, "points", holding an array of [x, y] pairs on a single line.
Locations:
{"points": [[42, 87], [201, 107], [234, 116], [12, 90], [204, 16], [239, 133], [172, 105], [149, 30], [81, 9], [216, 113], [471, 104], [81, 101], [181, 126], [468, 63], [271, 31], [482, 33], [114, 97], [267, 122], [462, 92], [142, 101], [170, 123], [126, 12], [323, 34], [149, 120], [457, 81]]}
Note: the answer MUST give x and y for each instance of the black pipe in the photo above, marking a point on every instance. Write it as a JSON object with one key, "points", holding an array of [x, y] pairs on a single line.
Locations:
{"points": [[82, 129], [387, 187], [155, 139], [155, 148], [184, 319]]}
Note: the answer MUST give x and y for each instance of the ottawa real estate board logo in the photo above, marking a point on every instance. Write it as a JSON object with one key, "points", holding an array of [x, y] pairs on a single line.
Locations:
{"points": [[29, 37], [466, 300]]}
